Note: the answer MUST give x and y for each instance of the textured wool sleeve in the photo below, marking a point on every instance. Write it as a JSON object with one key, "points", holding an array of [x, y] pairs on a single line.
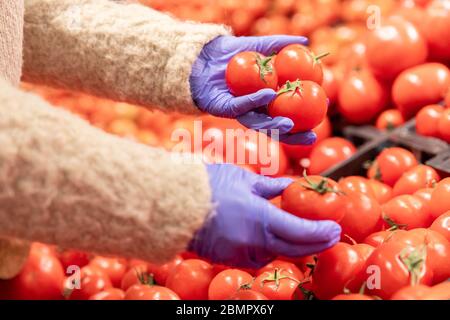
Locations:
{"points": [[65, 182], [126, 52]]}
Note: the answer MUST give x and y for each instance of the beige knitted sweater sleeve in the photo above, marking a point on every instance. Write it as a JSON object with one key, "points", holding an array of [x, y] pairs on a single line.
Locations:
{"points": [[126, 52], [65, 182]]}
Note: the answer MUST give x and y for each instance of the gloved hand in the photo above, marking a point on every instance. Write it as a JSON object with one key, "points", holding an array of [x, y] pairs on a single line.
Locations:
{"points": [[211, 94], [246, 230]]}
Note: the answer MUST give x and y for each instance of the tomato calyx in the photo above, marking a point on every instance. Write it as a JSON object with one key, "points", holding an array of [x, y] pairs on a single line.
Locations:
{"points": [[289, 86], [276, 277], [392, 224], [321, 187], [145, 278], [320, 56], [264, 66], [414, 262]]}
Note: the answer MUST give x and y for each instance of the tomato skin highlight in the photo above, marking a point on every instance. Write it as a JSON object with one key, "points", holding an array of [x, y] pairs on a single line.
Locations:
{"points": [[306, 105], [243, 74], [427, 120], [444, 126], [442, 225], [440, 201], [328, 153], [421, 176], [226, 283]]}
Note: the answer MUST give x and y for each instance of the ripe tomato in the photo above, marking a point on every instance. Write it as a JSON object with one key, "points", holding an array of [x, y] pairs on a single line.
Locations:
{"points": [[282, 265], [385, 43], [361, 97], [277, 284], [114, 268], [361, 215], [296, 61], [352, 296], [190, 279], [393, 266], [322, 131], [425, 195], [335, 268], [314, 198], [153, 292], [442, 225], [389, 119], [364, 250], [248, 294], [41, 278], [358, 184], [109, 294], [406, 211], [328, 153], [382, 191], [390, 164], [330, 84], [412, 292], [226, 284], [447, 99], [137, 274], [420, 176], [73, 258], [93, 280], [378, 238], [440, 291], [419, 86], [161, 272], [248, 72], [440, 200], [444, 125], [427, 120], [436, 27], [304, 102]]}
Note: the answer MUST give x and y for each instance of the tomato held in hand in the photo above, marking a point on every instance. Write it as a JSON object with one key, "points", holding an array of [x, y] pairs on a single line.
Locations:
{"points": [[407, 212], [247, 72], [152, 292], [389, 119], [361, 215], [296, 61], [416, 178], [390, 164], [442, 225], [386, 44], [304, 102], [427, 120], [277, 284], [440, 199], [314, 198], [109, 294], [361, 97], [444, 126], [419, 86], [328, 153], [190, 279], [335, 268], [226, 284]]}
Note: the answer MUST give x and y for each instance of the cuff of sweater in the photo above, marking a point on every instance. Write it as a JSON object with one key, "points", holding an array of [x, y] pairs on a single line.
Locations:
{"points": [[179, 66]]}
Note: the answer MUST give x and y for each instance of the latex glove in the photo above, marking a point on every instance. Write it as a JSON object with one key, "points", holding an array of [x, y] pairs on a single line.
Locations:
{"points": [[210, 91], [246, 230]]}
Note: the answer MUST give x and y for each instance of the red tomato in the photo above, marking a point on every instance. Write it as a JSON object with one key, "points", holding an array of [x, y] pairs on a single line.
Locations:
{"points": [[378, 238], [361, 97], [421, 176], [391, 163], [444, 125], [304, 102], [335, 268], [440, 200], [440, 291], [328, 153], [74, 258], [414, 292], [161, 272], [356, 184], [296, 61], [361, 215], [406, 211], [248, 72], [138, 274], [364, 250], [226, 284], [93, 280], [389, 119], [385, 43], [190, 279], [330, 84], [393, 266], [277, 285], [442, 225], [109, 294], [322, 131], [114, 268], [314, 198], [436, 27], [425, 195], [447, 99], [382, 191], [146, 292], [419, 86], [427, 120], [282, 265], [41, 278], [248, 294], [352, 296]]}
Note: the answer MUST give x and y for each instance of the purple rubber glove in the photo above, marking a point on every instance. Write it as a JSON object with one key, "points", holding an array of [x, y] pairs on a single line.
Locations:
{"points": [[211, 94], [246, 230]]}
